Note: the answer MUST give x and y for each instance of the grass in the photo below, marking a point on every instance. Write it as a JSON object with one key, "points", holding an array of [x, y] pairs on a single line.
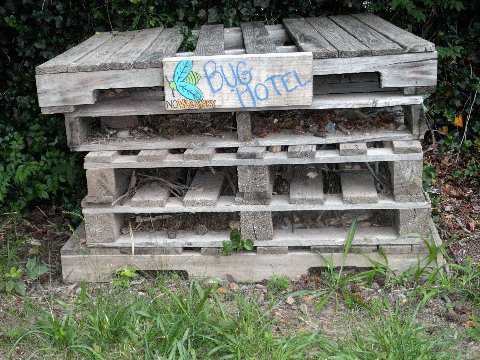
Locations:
{"points": [[144, 317]]}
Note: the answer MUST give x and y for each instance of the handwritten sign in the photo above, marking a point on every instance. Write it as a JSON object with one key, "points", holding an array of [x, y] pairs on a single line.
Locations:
{"points": [[238, 81]]}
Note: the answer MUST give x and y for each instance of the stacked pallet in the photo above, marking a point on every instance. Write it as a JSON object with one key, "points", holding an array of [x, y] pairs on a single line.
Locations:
{"points": [[163, 195]]}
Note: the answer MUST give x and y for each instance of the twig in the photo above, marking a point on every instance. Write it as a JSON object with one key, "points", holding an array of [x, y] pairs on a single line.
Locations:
{"points": [[131, 237], [464, 137], [375, 176], [132, 188]]}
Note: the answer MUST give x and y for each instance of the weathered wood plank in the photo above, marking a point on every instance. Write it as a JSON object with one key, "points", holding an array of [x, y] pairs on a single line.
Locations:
{"points": [[152, 155], [346, 44], [302, 151], [358, 188], [60, 63], [409, 41], [278, 202], [80, 88], [256, 38], [353, 149], [151, 194], [124, 58], [95, 60], [307, 187], [308, 39], [252, 155], [234, 39], [165, 45], [239, 82], [376, 42], [210, 41], [123, 107], [205, 189], [402, 70], [199, 154], [101, 156]]}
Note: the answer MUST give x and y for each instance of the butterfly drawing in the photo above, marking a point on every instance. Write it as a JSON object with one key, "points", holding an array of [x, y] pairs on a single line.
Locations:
{"points": [[185, 81]]}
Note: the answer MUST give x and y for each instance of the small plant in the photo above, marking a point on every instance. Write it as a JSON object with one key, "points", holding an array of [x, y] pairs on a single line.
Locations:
{"points": [[236, 243], [124, 276], [278, 284], [14, 282]]}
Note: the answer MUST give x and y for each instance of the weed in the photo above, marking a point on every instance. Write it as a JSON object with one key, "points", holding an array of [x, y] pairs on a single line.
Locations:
{"points": [[124, 276], [277, 284], [236, 243]]}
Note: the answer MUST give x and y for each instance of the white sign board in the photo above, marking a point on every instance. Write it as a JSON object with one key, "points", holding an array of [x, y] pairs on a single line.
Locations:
{"points": [[238, 81]]}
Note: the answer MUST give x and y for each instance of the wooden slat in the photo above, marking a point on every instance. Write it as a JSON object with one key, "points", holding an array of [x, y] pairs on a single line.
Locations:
{"points": [[151, 194], [152, 155], [407, 40], [346, 44], [358, 188], [61, 62], [331, 236], [205, 189], [124, 58], [95, 60], [308, 39], [210, 41], [252, 155], [278, 203], [256, 38], [307, 187], [376, 42], [165, 45]]}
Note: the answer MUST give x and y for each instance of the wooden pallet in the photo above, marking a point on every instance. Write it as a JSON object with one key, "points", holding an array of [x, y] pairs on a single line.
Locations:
{"points": [[81, 263], [359, 43], [82, 136]]}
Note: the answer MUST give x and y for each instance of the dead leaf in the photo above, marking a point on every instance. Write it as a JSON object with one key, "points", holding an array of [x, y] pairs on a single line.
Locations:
{"points": [[471, 225], [458, 121], [306, 298], [469, 324], [290, 300], [221, 290], [234, 287], [443, 130]]}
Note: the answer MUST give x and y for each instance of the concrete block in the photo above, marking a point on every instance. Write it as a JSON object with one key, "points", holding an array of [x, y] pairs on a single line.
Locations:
{"points": [[414, 118], [254, 178], [199, 154], [406, 146], [244, 126], [301, 151], [205, 189], [103, 228], [349, 149], [358, 188], [406, 179], [272, 250], [251, 152], [413, 221], [107, 182], [256, 225], [307, 187], [120, 122], [332, 249]]}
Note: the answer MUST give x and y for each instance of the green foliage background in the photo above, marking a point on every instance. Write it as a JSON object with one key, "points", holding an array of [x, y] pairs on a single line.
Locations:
{"points": [[36, 165]]}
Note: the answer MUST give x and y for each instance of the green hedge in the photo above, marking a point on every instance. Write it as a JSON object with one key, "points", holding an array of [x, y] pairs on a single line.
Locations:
{"points": [[35, 164]]}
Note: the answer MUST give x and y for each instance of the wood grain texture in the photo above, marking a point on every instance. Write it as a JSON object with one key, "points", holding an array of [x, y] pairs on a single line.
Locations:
{"points": [[279, 203], [124, 58], [256, 38], [346, 44], [96, 60], [210, 41], [376, 42], [409, 41], [61, 62], [164, 45], [79, 265], [308, 39], [251, 155]]}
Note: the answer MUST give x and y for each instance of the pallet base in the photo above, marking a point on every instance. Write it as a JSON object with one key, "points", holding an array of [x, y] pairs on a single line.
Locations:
{"points": [[78, 264]]}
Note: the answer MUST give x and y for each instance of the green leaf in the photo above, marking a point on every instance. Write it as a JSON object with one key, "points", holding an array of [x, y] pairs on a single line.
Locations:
{"points": [[235, 235], [35, 268], [248, 244]]}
